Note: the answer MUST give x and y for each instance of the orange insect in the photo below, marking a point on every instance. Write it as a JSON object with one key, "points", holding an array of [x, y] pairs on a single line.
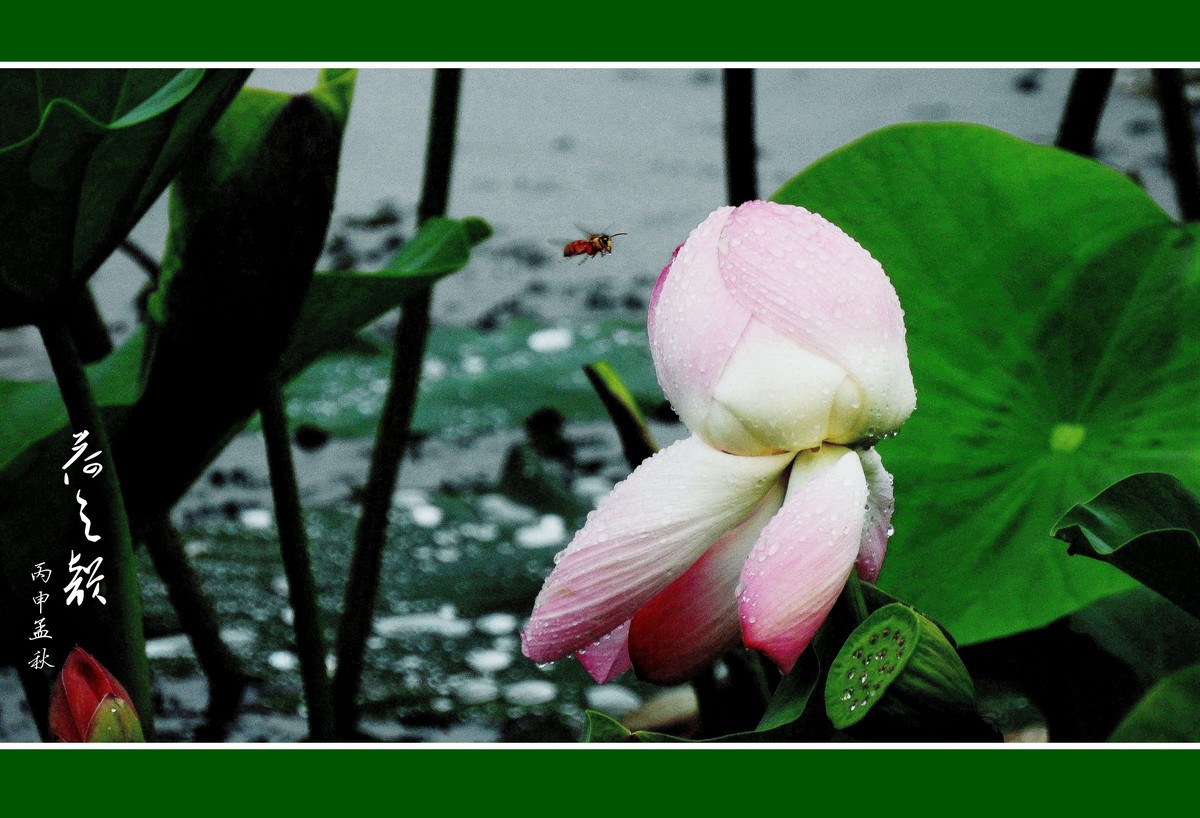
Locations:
{"points": [[596, 244]]}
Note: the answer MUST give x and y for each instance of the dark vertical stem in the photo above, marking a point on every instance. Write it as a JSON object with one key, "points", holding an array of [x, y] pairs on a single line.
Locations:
{"points": [[439, 151], [293, 548], [391, 438], [87, 327], [741, 153], [226, 678], [1181, 140], [125, 656], [142, 259], [1085, 105]]}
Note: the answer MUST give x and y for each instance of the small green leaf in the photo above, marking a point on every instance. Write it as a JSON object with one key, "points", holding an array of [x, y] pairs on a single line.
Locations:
{"points": [[1148, 526], [601, 728], [792, 695], [636, 441], [477, 229], [1170, 711]]}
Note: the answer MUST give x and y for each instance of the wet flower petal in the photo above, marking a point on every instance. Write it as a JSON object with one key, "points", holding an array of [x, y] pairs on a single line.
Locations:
{"points": [[695, 619], [877, 527], [607, 657], [643, 536], [797, 568]]}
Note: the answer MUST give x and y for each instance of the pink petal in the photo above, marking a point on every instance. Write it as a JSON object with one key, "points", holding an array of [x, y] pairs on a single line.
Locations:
{"points": [[877, 527], [695, 619], [658, 285], [607, 657], [694, 324], [644, 535], [800, 563], [812, 283]]}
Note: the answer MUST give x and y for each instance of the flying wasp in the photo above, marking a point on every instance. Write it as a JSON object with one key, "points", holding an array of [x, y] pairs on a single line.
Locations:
{"points": [[596, 244]]}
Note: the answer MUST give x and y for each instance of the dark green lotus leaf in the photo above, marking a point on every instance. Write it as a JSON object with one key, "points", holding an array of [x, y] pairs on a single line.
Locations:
{"points": [[1147, 526], [83, 154], [249, 213], [1148, 634], [1170, 711], [1051, 309]]}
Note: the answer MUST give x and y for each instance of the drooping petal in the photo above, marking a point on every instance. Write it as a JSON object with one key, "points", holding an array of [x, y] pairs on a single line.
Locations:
{"points": [[695, 619], [607, 657], [643, 536], [877, 526], [694, 324], [802, 559], [812, 283]]}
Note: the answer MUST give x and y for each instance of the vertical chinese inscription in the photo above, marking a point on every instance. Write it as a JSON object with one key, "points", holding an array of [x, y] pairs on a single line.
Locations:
{"points": [[41, 656], [79, 570]]}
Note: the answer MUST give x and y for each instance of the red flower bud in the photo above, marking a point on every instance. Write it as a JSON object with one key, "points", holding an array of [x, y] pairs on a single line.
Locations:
{"points": [[89, 704]]}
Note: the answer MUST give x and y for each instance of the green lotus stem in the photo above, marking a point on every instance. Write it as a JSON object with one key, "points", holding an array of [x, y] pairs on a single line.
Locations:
{"points": [[293, 548], [1181, 140], [1085, 105], [125, 654], [391, 438], [741, 153], [87, 328], [226, 678]]}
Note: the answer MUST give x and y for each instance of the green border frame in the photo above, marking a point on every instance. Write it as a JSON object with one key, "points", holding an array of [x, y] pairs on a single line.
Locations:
{"points": [[597, 779], [589, 781], [612, 30]]}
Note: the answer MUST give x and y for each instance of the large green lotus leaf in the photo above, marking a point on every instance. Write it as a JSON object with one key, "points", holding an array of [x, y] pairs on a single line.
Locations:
{"points": [[1051, 309], [83, 154]]}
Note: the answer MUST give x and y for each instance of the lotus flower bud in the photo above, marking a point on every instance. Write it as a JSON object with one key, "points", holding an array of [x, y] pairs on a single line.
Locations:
{"points": [[772, 331], [89, 705]]}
